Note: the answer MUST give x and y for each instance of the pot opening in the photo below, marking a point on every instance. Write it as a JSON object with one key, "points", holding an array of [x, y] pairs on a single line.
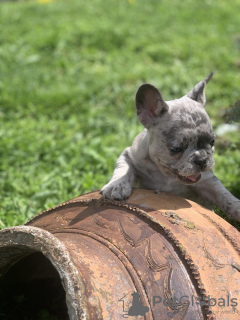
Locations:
{"points": [[32, 289]]}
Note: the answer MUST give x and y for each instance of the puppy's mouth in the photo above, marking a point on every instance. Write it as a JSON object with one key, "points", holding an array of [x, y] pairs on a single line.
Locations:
{"points": [[190, 179], [184, 179]]}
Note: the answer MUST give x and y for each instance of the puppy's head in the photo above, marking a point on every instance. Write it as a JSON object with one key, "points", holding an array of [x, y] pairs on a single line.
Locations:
{"points": [[181, 137]]}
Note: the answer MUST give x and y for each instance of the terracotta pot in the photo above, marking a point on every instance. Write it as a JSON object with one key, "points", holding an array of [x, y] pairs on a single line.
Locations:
{"points": [[154, 256]]}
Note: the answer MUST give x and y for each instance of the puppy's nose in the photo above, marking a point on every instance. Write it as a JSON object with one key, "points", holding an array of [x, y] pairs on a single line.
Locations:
{"points": [[200, 159], [200, 162]]}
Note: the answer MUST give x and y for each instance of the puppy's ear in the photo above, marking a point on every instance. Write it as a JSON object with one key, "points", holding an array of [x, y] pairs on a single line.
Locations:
{"points": [[149, 104], [198, 92]]}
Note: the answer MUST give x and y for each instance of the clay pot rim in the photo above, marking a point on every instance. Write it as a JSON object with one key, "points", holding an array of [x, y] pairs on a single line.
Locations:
{"points": [[38, 240]]}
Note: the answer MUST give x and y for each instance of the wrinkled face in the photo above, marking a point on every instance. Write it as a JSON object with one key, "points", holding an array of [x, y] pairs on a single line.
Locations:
{"points": [[181, 141]]}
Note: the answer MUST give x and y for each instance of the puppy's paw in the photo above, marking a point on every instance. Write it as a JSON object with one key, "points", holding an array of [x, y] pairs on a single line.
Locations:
{"points": [[118, 190], [234, 213], [237, 214]]}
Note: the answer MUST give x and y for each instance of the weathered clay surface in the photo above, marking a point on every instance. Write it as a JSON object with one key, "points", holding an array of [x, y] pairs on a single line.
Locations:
{"points": [[158, 245]]}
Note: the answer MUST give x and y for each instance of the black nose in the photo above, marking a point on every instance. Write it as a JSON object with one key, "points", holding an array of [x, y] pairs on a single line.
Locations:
{"points": [[200, 159], [200, 162]]}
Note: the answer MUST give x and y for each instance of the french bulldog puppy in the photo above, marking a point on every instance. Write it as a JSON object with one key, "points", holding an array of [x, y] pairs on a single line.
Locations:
{"points": [[174, 153]]}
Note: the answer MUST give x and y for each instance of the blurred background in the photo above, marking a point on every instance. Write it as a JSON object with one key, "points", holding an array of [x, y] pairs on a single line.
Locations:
{"points": [[69, 71]]}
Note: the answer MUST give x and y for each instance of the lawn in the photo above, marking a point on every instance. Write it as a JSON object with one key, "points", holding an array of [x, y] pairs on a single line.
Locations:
{"points": [[69, 71]]}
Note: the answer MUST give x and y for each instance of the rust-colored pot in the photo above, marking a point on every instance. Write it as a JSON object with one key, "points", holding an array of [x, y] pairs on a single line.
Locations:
{"points": [[154, 256]]}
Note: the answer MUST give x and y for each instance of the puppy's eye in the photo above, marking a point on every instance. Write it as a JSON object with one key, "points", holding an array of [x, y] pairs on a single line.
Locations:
{"points": [[177, 149]]}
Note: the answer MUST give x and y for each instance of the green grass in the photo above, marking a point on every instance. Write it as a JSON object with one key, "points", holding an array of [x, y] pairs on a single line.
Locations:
{"points": [[69, 71]]}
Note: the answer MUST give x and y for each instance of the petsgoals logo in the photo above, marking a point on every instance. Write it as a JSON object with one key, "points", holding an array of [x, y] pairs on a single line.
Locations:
{"points": [[135, 309], [132, 306]]}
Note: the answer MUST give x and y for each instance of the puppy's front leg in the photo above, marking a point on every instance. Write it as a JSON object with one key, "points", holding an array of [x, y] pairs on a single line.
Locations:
{"points": [[120, 186], [213, 190]]}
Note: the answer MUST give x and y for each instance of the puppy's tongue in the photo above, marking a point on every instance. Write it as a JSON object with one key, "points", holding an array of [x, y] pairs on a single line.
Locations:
{"points": [[194, 177]]}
